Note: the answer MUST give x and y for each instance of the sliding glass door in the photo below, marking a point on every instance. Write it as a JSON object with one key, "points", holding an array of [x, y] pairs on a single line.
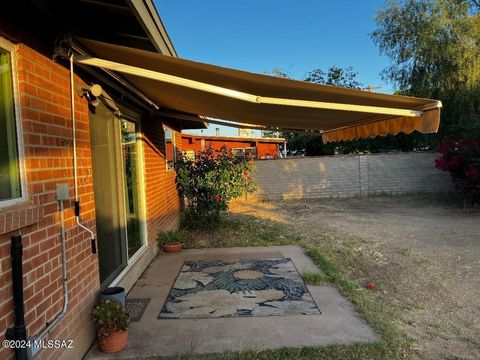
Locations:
{"points": [[116, 163], [108, 186]]}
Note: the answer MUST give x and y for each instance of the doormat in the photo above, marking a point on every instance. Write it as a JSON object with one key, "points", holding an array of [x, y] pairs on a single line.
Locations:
{"points": [[135, 308], [218, 289]]}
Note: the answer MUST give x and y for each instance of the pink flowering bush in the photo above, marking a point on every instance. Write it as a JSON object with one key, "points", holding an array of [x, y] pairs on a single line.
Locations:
{"points": [[461, 157], [209, 182]]}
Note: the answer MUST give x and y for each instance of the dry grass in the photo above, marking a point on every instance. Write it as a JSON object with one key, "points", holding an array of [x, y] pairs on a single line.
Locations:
{"points": [[245, 230], [420, 250]]}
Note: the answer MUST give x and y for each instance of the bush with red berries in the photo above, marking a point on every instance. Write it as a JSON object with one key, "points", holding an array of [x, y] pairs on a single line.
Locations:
{"points": [[209, 182], [461, 158]]}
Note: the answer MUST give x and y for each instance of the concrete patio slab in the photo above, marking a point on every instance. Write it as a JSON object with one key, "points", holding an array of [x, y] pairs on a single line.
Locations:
{"points": [[338, 323]]}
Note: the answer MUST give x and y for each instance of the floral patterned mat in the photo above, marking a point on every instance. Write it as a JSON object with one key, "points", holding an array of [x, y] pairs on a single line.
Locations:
{"points": [[214, 289]]}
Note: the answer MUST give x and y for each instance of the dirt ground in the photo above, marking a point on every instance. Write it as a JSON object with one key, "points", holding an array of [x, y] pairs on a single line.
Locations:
{"points": [[423, 253]]}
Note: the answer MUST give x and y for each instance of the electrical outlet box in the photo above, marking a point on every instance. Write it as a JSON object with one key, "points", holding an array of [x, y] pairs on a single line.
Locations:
{"points": [[63, 192]]}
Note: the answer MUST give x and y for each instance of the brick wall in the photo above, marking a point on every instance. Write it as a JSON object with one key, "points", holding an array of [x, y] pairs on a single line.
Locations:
{"points": [[350, 175], [44, 103], [162, 200], [47, 137]]}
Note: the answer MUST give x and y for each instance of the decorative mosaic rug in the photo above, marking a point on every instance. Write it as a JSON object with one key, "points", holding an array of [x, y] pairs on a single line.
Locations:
{"points": [[214, 289]]}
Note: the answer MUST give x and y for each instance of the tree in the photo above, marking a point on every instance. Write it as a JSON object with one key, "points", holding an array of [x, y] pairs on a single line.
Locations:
{"points": [[434, 46], [278, 73], [335, 76]]}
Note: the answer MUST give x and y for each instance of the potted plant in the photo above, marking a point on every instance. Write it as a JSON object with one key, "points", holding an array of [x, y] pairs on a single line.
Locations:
{"points": [[171, 241], [111, 322]]}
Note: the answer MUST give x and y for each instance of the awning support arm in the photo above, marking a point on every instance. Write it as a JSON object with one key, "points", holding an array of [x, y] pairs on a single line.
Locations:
{"points": [[233, 124]]}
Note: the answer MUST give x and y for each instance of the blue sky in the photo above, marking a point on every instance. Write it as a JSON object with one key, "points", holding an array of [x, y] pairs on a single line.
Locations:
{"points": [[293, 35]]}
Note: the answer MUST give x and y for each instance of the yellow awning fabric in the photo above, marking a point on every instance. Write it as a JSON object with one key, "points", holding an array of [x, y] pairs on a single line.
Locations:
{"points": [[265, 101], [427, 123]]}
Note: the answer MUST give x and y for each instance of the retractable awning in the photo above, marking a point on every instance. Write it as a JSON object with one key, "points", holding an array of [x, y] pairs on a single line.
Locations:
{"points": [[264, 101]]}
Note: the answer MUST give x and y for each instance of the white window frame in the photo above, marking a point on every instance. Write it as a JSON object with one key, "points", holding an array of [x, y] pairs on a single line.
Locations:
{"points": [[244, 150], [141, 190], [11, 48], [174, 148]]}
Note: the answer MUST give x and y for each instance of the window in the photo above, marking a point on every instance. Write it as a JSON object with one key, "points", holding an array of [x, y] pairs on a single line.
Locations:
{"points": [[170, 149], [250, 152], [10, 184]]}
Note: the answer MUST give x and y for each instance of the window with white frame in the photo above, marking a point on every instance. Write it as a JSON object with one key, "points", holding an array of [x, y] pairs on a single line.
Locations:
{"points": [[250, 152], [10, 181], [170, 148]]}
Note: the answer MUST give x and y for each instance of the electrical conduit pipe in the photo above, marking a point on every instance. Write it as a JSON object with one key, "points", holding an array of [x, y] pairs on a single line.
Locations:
{"points": [[75, 171], [37, 339]]}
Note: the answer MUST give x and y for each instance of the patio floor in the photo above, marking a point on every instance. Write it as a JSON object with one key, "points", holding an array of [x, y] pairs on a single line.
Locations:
{"points": [[338, 323]]}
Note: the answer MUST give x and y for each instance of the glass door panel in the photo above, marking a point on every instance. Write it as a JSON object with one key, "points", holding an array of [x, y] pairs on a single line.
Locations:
{"points": [[131, 184], [108, 186]]}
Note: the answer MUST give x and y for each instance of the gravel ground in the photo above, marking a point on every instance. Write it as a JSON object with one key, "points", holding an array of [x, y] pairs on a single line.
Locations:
{"points": [[423, 254]]}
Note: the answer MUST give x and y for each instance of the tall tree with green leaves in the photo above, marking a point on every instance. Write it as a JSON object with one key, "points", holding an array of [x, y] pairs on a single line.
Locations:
{"points": [[434, 46], [336, 76]]}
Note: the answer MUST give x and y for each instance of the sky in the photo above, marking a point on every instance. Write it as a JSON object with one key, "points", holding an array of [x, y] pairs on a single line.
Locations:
{"points": [[296, 36]]}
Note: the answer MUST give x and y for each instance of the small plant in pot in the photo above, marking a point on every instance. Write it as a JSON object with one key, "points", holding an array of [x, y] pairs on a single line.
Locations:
{"points": [[111, 322], [171, 241]]}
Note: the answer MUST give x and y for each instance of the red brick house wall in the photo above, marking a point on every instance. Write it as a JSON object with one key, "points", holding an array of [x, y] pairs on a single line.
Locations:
{"points": [[162, 200], [265, 149], [44, 103]]}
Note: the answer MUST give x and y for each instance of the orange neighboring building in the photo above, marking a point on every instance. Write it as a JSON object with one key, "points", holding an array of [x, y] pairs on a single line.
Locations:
{"points": [[257, 147]]}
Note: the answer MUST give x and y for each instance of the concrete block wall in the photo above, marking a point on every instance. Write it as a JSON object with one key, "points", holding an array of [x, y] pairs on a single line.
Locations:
{"points": [[406, 172], [349, 175]]}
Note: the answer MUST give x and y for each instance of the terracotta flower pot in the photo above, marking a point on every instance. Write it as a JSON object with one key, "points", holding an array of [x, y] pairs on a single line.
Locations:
{"points": [[171, 248], [115, 342]]}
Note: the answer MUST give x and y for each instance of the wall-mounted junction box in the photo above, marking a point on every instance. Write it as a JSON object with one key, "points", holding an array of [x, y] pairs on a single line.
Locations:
{"points": [[62, 192]]}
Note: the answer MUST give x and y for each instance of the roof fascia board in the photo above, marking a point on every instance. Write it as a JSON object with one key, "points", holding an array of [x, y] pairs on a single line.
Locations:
{"points": [[147, 15]]}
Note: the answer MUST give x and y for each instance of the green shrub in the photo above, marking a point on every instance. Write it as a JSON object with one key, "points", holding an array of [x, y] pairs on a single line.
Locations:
{"points": [[171, 237], [210, 182]]}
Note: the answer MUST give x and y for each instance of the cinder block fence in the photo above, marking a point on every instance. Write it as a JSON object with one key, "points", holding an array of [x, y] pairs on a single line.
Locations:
{"points": [[349, 175]]}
